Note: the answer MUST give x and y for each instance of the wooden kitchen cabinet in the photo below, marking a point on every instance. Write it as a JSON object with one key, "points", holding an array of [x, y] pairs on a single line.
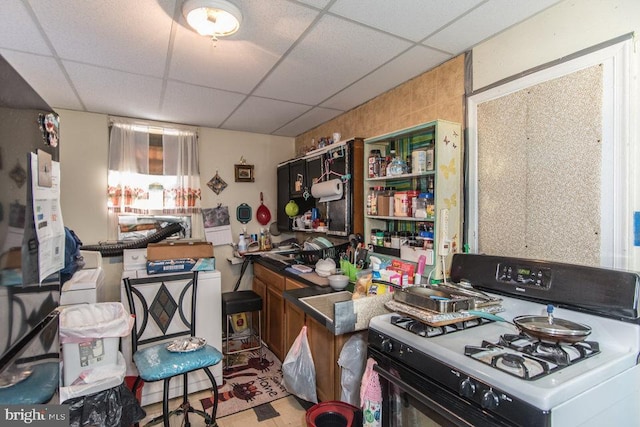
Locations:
{"points": [[270, 286], [283, 198], [260, 288], [293, 323], [283, 322], [294, 317], [336, 161], [275, 320], [323, 350]]}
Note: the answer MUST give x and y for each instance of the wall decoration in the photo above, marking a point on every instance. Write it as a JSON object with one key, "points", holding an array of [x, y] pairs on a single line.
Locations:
{"points": [[217, 184], [18, 174], [216, 217], [49, 125], [244, 173], [217, 225]]}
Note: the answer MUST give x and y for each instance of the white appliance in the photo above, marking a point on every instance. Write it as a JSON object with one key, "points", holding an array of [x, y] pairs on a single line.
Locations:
{"points": [[208, 326], [479, 372], [86, 286]]}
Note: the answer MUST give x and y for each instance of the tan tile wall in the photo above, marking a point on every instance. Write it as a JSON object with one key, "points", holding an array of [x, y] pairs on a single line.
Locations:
{"points": [[435, 94]]}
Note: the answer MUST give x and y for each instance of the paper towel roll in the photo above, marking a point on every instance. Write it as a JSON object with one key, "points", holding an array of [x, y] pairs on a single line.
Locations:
{"points": [[327, 191]]}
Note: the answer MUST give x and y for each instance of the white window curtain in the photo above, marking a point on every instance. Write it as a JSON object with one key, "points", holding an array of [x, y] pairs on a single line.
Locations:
{"points": [[180, 153], [132, 189]]}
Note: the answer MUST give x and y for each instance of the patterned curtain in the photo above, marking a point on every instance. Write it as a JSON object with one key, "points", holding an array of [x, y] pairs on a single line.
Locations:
{"points": [[181, 162], [132, 189]]}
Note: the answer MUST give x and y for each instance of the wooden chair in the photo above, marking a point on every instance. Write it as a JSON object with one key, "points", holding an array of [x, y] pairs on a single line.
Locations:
{"points": [[159, 320]]}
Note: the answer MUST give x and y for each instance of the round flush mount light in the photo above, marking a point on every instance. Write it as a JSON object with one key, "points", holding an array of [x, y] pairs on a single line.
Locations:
{"points": [[215, 18]]}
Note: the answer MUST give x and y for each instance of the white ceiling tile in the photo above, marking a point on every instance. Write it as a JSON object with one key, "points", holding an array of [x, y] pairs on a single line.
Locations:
{"points": [[130, 57], [307, 121], [118, 34], [197, 105], [411, 19], [320, 4], [263, 115], [334, 54], [18, 31], [408, 65], [52, 86], [484, 22], [114, 92], [239, 62]]}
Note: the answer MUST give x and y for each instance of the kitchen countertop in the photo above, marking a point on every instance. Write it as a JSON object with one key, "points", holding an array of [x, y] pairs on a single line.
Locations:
{"points": [[311, 289]]}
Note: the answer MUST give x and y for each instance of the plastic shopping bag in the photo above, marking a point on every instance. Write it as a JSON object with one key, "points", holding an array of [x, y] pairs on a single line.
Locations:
{"points": [[352, 361], [298, 370]]}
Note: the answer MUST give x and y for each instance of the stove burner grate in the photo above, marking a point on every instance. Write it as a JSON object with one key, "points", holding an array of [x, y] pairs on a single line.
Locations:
{"points": [[528, 358], [425, 330]]}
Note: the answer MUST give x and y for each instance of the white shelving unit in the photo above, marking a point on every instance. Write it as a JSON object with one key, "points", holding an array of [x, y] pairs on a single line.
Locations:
{"points": [[446, 140]]}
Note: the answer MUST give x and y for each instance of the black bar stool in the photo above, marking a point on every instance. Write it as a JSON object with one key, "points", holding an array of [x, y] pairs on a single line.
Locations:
{"points": [[236, 302]]}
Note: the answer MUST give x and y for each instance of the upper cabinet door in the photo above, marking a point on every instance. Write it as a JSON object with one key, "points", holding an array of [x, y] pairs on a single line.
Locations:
{"points": [[314, 170], [297, 178], [283, 198]]}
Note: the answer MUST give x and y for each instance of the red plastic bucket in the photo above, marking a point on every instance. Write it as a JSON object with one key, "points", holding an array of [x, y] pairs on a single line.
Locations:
{"points": [[331, 414]]}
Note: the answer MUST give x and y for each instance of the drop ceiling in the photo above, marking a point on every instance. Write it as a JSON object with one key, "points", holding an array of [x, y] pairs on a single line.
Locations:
{"points": [[292, 65]]}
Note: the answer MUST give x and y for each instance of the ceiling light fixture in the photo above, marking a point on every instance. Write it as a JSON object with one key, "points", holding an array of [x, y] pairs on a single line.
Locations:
{"points": [[215, 18]]}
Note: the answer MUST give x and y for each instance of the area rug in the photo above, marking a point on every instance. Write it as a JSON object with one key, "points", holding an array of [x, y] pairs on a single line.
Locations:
{"points": [[249, 381]]}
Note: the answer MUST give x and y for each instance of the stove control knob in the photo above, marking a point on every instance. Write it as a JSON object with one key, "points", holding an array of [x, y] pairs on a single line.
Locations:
{"points": [[386, 345], [489, 400], [467, 388]]}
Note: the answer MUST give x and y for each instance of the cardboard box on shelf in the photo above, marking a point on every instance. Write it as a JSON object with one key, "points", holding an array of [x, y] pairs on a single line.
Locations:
{"points": [[384, 206], [175, 250], [180, 265]]}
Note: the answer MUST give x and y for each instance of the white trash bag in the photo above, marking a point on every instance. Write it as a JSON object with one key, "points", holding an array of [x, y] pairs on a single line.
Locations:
{"points": [[298, 370], [352, 361], [98, 320]]}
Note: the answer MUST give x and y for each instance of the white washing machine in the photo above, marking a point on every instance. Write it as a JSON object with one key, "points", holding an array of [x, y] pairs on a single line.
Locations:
{"points": [[86, 286], [208, 326]]}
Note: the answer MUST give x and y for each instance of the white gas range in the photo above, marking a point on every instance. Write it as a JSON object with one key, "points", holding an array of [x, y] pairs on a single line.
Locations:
{"points": [[489, 374]]}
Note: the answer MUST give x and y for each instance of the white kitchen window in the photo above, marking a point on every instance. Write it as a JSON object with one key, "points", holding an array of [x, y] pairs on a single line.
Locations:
{"points": [[153, 172]]}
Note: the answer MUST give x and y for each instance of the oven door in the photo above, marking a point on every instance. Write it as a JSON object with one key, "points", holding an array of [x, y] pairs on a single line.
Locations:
{"points": [[411, 399]]}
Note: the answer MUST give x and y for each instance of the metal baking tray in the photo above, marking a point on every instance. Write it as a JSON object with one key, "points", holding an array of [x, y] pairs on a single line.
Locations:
{"points": [[438, 300]]}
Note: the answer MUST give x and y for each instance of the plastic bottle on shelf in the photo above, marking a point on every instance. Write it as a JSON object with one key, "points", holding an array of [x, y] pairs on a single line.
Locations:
{"points": [[374, 200], [430, 159], [370, 203], [374, 163], [387, 239], [419, 161], [430, 205], [372, 237], [267, 240], [242, 244]]}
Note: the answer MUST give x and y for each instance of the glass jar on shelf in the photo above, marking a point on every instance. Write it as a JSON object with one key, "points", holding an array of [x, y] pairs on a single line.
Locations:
{"points": [[375, 158], [396, 167]]}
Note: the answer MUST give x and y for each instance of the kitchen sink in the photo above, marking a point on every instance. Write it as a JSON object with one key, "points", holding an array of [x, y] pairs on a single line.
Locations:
{"points": [[325, 303]]}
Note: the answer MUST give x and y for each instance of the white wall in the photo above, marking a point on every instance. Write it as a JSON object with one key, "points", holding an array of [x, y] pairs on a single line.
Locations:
{"points": [[566, 28], [84, 140], [569, 27]]}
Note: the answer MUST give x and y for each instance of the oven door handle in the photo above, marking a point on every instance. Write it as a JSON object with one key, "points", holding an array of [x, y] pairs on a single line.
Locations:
{"points": [[422, 398]]}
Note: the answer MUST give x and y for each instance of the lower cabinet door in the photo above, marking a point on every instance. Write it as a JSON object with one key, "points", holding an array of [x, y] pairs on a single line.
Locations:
{"points": [[321, 342], [275, 322], [294, 321]]}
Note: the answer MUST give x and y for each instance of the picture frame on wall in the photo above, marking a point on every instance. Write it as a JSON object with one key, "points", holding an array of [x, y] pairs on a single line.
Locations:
{"points": [[244, 173]]}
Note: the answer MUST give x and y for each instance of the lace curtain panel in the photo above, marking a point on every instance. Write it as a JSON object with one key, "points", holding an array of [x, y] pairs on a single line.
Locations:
{"points": [[131, 186]]}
